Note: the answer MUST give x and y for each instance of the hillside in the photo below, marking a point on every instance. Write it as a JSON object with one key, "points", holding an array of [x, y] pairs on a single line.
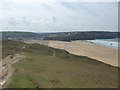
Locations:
{"points": [[88, 35], [62, 36], [45, 67], [19, 35]]}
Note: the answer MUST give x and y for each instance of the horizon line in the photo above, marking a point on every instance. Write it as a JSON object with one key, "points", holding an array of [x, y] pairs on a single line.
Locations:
{"points": [[59, 31]]}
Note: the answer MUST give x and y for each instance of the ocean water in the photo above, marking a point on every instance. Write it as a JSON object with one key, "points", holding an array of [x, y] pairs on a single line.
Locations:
{"points": [[111, 43]]}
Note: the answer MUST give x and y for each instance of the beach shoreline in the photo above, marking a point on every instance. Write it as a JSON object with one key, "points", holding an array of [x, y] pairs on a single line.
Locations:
{"points": [[110, 43]]}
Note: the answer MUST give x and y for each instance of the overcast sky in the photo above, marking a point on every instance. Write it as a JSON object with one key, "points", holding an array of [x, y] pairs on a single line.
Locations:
{"points": [[58, 15]]}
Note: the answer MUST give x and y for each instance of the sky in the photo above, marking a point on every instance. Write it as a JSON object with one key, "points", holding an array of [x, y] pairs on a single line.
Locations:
{"points": [[58, 15]]}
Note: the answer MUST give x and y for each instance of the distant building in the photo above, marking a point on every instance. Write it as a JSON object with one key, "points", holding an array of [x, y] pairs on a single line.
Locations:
{"points": [[42, 39], [69, 33], [9, 38]]}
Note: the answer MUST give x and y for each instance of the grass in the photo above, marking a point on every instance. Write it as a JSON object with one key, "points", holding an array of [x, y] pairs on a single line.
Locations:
{"points": [[11, 47], [46, 67], [21, 80]]}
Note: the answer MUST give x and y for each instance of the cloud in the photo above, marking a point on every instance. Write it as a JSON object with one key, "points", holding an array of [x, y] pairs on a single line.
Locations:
{"points": [[58, 15], [24, 1]]}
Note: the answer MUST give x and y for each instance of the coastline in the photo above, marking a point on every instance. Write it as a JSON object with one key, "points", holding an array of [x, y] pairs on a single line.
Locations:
{"points": [[110, 43], [83, 48]]}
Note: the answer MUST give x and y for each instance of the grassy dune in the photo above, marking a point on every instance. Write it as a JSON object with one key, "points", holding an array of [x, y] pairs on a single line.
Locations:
{"points": [[45, 67], [11, 47]]}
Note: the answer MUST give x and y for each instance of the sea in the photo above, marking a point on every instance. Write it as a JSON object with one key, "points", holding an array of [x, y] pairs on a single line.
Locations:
{"points": [[111, 43]]}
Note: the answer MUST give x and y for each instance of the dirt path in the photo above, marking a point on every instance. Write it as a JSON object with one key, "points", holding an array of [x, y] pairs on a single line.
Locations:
{"points": [[7, 77], [7, 69]]}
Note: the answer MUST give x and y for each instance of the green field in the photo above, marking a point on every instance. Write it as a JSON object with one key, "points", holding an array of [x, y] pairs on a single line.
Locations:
{"points": [[45, 67]]}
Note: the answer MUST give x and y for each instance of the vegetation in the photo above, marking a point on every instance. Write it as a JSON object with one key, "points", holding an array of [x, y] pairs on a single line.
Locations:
{"points": [[19, 35], [63, 36], [45, 67], [70, 36], [10, 47]]}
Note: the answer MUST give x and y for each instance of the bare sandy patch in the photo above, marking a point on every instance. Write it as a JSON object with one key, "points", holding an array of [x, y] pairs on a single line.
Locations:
{"points": [[7, 69]]}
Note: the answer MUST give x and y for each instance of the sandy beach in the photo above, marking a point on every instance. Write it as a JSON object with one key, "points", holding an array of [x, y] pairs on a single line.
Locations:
{"points": [[101, 53]]}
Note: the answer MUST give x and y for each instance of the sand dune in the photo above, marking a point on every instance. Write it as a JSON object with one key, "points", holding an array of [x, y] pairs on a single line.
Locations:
{"points": [[103, 54]]}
